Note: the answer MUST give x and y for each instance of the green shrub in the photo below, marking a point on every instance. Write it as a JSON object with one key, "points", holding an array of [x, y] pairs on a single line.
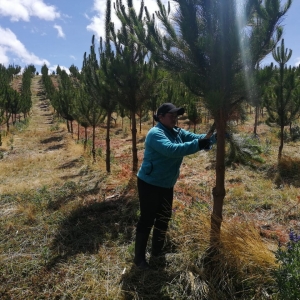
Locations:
{"points": [[245, 150], [295, 133], [286, 135], [288, 273], [21, 125]]}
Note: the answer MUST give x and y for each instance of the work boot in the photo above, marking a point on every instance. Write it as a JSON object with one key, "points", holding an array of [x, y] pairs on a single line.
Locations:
{"points": [[142, 265]]}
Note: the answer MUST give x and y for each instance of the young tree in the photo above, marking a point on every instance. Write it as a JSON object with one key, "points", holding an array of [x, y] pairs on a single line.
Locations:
{"points": [[134, 74], [81, 107], [74, 72], [101, 86], [193, 114], [31, 69], [5, 79], [282, 99], [262, 76], [104, 80], [11, 104], [88, 113], [214, 46], [26, 102], [2, 110], [47, 82], [64, 99]]}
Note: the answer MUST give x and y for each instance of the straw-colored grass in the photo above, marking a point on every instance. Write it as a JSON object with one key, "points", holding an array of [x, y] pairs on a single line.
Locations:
{"points": [[243, 263], [68, 227], [32, 170]]}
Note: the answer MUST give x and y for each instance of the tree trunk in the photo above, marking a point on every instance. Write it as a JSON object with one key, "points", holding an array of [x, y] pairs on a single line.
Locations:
{"points": [[281, 142], [93, 146], [219, 189], [85, 138], [140, 121], [153, 121], [134, 149], [78, 136], [256, 120], [108, 142]]}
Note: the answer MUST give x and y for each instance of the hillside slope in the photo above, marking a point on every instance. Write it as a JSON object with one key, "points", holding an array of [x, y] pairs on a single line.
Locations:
{"points": [[67, 227]]}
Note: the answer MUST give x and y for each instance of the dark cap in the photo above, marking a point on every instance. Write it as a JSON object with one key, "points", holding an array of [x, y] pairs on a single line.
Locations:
{"points": [[169, 108]]}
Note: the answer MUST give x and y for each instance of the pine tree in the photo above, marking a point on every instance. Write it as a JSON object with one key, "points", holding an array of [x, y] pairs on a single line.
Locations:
{"points": [[134, 74], [4, 83], [26, 102], [88, 113], [262, 78], [193, 114], [214, 46], [80, 113], [100, 85], [48, 84], [282, 99], [111, 92], [64, 97]]}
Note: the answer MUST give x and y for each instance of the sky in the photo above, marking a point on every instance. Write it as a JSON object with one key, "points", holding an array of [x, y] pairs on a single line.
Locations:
{"points": [[59, 32]]}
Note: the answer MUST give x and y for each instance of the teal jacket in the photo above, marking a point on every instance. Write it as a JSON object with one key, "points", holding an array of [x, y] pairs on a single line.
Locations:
{"points": [[164, 152]]}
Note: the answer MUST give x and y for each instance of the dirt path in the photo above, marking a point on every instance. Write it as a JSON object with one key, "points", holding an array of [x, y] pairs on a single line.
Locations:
{"points": [[41, 118], [41, 153]]}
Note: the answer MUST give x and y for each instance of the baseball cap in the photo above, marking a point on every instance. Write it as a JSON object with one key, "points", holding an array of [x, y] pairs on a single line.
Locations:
{"points": [[169, 108]]}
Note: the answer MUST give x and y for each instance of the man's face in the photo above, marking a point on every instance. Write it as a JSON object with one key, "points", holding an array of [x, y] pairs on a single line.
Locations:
{"points": [[169, 120]]}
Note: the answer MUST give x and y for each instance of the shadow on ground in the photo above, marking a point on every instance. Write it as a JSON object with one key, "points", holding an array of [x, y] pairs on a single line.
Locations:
{"points": [[91, 225], [146, 285], [114, 219], [70, 164], [55, 147], [52, 139]]}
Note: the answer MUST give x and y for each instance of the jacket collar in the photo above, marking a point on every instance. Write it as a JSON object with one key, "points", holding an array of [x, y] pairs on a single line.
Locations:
{"points": [[174, 130]]}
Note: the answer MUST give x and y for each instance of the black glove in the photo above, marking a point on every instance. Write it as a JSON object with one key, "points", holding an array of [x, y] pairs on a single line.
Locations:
{"points": [[204, 144]]}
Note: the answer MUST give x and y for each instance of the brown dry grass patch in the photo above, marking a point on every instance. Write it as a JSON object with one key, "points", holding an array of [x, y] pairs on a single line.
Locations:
{"points": [[68, 226]]}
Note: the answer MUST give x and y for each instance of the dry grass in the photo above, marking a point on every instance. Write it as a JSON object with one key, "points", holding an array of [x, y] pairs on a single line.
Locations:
{"points": [[242, 267], [67, 227]]}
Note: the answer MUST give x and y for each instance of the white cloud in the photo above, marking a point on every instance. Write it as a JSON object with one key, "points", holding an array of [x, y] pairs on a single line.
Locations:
{"points": [[4, 60], [60, 32], [54, 67], [9, 43], [297, 62], [24, 9], [97, 22]]}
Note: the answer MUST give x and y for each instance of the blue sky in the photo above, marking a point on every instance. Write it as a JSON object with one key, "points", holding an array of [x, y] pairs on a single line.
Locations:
{"points": [[58, 32]]}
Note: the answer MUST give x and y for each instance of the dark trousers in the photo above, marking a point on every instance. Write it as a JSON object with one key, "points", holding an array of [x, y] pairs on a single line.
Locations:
{"points": [[156, 211]]}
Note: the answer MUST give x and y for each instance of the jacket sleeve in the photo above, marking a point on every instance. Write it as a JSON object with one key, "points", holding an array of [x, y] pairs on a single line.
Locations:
{"points": [[189, 136], [160, 143]]}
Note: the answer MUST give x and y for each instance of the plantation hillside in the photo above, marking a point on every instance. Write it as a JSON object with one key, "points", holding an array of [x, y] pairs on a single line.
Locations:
{"points": [[68, 226]]}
